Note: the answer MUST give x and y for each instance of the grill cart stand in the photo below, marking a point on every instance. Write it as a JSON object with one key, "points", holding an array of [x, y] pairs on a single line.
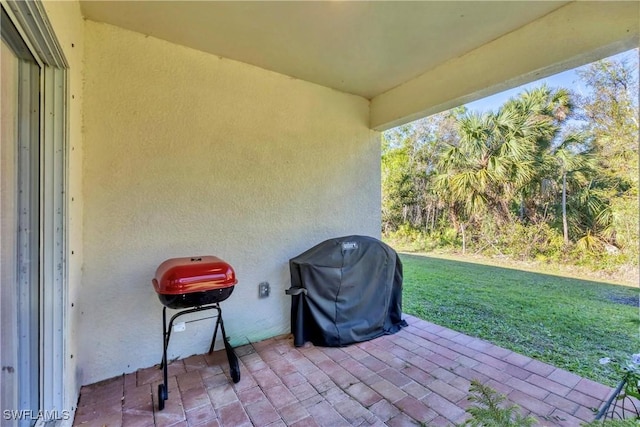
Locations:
{"points": [[163, 389]]}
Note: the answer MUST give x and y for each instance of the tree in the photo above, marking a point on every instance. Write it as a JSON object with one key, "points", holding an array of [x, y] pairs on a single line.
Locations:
{"points": [[572, 160], [547, 163], [610, 114], [498, 155], [409, 157]]}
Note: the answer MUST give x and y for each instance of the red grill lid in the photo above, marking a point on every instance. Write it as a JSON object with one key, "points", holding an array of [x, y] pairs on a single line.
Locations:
{"points": [[193, 274]]}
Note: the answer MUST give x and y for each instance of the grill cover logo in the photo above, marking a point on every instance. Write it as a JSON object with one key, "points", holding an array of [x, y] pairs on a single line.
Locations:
{"points": [[349, 246]]}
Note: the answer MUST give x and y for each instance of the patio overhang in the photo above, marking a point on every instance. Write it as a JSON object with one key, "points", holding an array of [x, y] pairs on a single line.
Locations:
{"points": [[573, 35], [410, 59]]}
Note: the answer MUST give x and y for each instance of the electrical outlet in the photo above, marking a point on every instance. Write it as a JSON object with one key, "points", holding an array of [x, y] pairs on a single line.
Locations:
{"points": [[179, 327], [263, 289]]}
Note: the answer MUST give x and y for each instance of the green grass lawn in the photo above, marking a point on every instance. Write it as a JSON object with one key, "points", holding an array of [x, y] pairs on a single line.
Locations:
{"points": [[569, 323]]}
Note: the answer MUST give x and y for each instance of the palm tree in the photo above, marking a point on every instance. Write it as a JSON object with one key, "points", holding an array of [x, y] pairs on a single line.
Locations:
{"points": [[498, 155], [573, 160]]}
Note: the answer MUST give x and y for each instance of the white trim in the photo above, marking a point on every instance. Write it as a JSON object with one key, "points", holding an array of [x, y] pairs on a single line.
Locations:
{"points": [[8, 241], [53, 244], [29, 284], [11, 8], [36, 29]]}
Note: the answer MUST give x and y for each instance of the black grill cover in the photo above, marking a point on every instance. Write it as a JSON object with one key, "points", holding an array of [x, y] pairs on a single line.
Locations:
{"points": [[345, 290]]}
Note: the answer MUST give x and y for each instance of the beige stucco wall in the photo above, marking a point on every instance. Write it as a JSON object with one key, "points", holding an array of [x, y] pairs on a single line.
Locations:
{"points": [[188, 154], [68, 25]]}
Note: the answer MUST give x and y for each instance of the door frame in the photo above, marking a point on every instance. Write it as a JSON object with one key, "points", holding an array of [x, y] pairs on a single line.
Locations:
{"points": [[30, 19]]}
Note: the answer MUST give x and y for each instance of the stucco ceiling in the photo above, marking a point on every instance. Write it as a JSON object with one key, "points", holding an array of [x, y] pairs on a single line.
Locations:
{"points": [[363, 48]]}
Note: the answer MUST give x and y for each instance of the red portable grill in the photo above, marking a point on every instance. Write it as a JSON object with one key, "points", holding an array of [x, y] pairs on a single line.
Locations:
{"points": [[194, 284]]}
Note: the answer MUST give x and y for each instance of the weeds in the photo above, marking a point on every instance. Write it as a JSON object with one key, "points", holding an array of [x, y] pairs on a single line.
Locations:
{"points": [[490, 409]]}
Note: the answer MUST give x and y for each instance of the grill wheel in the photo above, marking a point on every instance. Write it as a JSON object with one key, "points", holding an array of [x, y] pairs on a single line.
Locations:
{"points": [[162, 396]]}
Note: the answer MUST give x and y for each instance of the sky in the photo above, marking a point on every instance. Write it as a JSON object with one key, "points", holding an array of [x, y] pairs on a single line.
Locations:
{"points": [[568, 79]]}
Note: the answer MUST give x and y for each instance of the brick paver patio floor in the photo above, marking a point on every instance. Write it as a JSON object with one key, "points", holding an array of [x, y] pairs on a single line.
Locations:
{"points": [[419, 376]]}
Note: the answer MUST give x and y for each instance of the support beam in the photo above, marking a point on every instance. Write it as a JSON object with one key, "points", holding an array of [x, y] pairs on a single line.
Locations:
{"points": [[576, 34]]}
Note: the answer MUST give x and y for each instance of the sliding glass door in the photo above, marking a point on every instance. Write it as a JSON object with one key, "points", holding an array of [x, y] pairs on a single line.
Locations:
{"points": [[20, 228]]}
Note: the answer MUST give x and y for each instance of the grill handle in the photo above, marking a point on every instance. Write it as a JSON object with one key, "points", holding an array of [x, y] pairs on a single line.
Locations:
{"points": [[295, 291]]}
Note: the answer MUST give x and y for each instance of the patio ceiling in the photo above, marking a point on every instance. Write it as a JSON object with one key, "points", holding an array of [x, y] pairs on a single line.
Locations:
{"points": [[356, 47], [404, 56]]}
